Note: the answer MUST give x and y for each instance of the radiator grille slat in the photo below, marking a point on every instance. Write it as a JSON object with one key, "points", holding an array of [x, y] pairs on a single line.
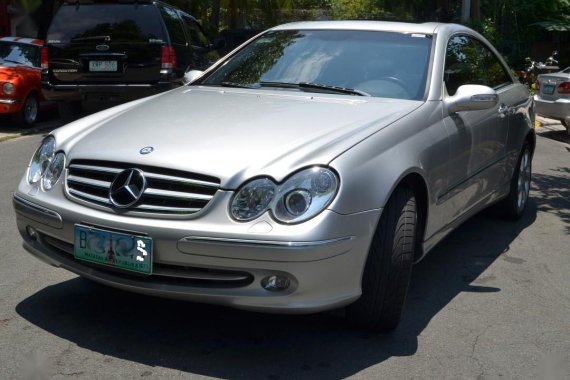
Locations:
{"points": [[168, 191]]}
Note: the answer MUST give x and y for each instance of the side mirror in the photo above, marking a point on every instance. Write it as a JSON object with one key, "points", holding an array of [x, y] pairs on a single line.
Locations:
{"points": [[472, 97], [191, 76]]}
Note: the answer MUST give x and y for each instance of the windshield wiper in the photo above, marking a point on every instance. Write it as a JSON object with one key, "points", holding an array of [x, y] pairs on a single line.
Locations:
{"points": [[11, 60], [314, 86], [92, 38], [341, 90], [235, 84]]}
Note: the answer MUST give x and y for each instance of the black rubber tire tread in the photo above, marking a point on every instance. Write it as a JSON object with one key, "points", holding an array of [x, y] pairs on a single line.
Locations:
{"points": [[507, 208], [388, 267], [20, 117]]}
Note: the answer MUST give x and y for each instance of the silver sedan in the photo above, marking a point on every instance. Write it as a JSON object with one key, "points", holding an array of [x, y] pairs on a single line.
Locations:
{"points": [[306, 171], [553, 97]]}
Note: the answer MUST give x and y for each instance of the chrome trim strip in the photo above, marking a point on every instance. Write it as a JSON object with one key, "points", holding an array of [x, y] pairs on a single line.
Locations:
{"points": [[96, 168], [89, 196], [167, 209], [177, 194], [180, 179], [267, 243], [89, 181], [8, 101], [72, 86], [36, 212]]}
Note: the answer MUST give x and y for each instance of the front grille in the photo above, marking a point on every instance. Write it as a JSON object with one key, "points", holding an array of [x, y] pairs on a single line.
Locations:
{"points": [[168, 191], [165, 274]]}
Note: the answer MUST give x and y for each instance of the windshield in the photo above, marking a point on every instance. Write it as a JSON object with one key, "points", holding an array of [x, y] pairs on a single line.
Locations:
{"points": [[382, 64], [20, 53], [118, 22]]}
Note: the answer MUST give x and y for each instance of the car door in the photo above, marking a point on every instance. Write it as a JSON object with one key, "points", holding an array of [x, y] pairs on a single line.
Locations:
{"points": [[477, 138]]}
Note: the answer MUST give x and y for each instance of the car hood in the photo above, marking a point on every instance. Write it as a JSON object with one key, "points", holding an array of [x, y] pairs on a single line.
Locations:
{"points": [[232, 134], [9, 71]]}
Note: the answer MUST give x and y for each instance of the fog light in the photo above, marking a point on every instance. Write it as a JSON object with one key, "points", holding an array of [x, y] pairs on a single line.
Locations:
{"points": [[32, 233], [275, 283]]}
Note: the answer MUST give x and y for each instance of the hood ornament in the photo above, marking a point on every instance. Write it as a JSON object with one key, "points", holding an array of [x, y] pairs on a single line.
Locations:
{"points": [[146, 150]]}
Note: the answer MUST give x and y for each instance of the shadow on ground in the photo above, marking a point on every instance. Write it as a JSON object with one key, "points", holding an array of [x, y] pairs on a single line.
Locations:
{"points": [[558, 135], [553, 193], [226, 343], [47, 120]]}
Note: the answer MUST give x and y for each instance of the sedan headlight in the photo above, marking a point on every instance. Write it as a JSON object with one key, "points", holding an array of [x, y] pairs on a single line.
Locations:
{"points": [[299, 198], [41, 160], [53, 172], [8, 88]]}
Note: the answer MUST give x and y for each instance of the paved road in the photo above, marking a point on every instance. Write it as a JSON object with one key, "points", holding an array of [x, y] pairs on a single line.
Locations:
{"points": [[492, 301]]}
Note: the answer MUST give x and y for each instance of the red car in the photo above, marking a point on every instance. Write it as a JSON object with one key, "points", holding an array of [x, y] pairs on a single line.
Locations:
{"points": [[20, 78]]}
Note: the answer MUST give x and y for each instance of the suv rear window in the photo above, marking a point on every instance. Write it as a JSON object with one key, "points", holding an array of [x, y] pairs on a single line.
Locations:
{"points": [[121, 22]]}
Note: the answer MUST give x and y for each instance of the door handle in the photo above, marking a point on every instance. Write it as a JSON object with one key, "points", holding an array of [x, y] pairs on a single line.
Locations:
{"points": [[503, 110]]}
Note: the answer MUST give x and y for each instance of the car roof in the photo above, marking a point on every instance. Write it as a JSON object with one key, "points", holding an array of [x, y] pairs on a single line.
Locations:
{"points": [[23, 40], [387, 26]]}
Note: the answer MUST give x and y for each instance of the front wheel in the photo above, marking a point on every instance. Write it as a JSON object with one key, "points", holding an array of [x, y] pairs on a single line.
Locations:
{"points": [[389, 265], [515, 203], [28, 115]]}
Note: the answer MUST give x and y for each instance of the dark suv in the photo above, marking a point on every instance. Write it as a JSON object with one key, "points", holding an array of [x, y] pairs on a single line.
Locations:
{"points": [[112, 52]]}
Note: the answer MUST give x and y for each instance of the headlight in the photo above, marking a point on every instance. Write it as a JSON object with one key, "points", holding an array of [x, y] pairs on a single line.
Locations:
{"points": [[299, 198], [41, 160], [253, 199], [53, 172], [8, 88]]}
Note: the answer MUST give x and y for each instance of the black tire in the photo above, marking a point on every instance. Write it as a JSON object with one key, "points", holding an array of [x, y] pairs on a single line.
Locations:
{"points": [[513, 206], [28, 115], [69, 111], [388, 267]]}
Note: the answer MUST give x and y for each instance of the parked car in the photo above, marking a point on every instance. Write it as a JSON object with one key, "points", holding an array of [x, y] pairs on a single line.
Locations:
{"points": [[552, 99], [305, 172], [20, 85], [110, 52]]}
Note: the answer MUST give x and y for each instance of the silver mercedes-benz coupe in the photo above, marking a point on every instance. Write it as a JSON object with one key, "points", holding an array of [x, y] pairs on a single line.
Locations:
{"points": [[305, 171]]}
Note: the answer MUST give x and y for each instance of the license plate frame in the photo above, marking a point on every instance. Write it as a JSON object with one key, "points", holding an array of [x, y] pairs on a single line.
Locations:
{"points": [[548, 89], [108, 66], [129, 252]]}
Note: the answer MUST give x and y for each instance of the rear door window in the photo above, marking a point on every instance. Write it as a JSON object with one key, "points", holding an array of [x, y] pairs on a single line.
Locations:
{"points": [[197, 38], [119, 22], [173, 25]]}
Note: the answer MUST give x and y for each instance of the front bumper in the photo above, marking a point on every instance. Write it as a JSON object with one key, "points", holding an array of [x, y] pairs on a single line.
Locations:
{"points": [[8, 105], [102, 92], [559, 109], [213, 259]]}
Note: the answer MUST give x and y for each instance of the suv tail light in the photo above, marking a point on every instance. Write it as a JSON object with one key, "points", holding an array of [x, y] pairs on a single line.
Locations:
{"points": [[44, 58], [563, 88], [168, 57]]}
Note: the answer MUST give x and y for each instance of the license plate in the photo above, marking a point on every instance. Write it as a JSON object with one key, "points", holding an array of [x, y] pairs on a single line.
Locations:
{"points": [[548, 89], [118, 250], [102, 65]]}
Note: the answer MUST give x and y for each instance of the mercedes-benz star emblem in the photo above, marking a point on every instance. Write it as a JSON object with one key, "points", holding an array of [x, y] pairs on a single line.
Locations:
{"points": [[127, 188], [147, 150]]}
